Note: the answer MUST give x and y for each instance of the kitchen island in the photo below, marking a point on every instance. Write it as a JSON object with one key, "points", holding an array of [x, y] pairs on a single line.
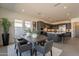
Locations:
{"points": [[57, 36]]}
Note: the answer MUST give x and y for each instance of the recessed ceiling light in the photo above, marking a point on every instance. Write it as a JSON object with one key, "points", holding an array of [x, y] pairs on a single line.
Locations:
{"points": [[65, 7], [22, 10]]}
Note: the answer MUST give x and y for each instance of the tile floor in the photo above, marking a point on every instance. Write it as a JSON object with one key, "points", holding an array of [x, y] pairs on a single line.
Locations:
{"points": [[70, 47]]}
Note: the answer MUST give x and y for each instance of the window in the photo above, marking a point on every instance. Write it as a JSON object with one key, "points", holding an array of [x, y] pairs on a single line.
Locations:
{"points": [[18, 28], [27, 24], [18, 23], [21, 26]]}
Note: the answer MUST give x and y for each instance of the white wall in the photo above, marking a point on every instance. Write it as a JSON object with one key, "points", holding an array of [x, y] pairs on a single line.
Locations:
{"points": [[73, 20]]}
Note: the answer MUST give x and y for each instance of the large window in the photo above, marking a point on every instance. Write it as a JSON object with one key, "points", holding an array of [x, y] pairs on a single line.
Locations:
{"points": [[28, 24], [18, 23], [20, 26]]}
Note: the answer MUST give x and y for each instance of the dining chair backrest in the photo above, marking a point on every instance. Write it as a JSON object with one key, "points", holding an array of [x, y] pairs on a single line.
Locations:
{"points": [[48, 46]]}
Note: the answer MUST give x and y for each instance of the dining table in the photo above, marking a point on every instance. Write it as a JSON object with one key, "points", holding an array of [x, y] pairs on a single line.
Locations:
{"points": [[35, 40]]}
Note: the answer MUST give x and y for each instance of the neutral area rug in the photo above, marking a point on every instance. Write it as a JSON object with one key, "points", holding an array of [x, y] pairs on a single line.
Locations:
{"points": [[12, 52]]}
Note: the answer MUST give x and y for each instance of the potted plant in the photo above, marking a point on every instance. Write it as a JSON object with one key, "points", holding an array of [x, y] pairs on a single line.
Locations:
{"points": [[5, 35]]}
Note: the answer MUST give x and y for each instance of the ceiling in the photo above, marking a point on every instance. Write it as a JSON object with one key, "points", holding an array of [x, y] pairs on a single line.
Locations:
{"points": [[51, 12]]}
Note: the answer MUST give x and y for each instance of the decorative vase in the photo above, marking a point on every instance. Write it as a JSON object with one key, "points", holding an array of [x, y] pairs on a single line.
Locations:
{"points": [[34, 36]]}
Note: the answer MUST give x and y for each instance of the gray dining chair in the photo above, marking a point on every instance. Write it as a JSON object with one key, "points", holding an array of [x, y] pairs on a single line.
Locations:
{"points": [[23, 47], [19, 40], [44, 49]]}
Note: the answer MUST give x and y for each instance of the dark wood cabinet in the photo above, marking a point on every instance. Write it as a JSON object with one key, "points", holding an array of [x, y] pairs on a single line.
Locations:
{"points": [[43, 25]]}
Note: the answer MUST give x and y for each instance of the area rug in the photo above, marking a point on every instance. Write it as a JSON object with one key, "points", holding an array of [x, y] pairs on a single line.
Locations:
{"points": [[12, 52]]}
